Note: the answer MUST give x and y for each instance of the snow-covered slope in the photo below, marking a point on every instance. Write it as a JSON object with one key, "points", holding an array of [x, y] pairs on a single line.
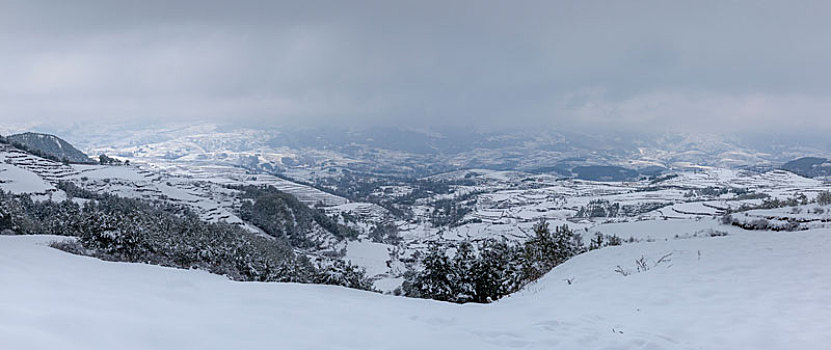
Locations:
{"points": [[24, 173], [50, 145], [752, 291]]}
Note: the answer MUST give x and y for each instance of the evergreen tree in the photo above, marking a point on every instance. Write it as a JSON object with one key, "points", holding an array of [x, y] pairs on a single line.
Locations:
{"points": [[463, 278], [496, 273], [436, 279], [546, 249]]}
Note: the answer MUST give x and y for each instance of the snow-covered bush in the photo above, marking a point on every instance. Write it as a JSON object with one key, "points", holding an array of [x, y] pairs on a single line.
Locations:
{"points": [[343, 274], [600, 240], [488, 270], [750, 223]]}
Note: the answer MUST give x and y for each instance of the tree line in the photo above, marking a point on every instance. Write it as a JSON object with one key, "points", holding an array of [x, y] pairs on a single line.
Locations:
{"points": [[133, 230]]}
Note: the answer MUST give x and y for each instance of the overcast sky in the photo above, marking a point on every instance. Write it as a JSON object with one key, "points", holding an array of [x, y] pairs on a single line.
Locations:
{"points": [[738, 65]]}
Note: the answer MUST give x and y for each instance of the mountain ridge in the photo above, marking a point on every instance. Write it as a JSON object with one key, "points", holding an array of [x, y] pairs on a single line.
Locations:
{"points": [[49, 146], [809, 166]]}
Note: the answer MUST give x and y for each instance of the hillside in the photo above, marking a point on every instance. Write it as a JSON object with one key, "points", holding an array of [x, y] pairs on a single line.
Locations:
{"points": [[217, 199], [703, 282], [49, 146], [756, 290], [809, 167], [386, 229]]}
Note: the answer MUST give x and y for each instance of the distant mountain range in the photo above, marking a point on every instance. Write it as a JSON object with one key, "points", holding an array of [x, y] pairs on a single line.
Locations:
{"points": [[308, 153]]}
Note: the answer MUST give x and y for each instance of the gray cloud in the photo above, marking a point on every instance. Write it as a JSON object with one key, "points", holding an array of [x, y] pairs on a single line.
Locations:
{"points": [[646, 64]]}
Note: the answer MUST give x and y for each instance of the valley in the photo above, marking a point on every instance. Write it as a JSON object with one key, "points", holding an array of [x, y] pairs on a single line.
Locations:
{"points": [[396, 218], [415, 175]]}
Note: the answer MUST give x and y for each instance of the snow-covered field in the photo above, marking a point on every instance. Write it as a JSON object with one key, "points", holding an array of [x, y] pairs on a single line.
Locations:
{"points": [[752, 291]]}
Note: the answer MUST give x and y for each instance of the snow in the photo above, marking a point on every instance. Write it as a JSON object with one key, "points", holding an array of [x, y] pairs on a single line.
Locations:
{"points": [[664, 229], [18, 180], [370, 255], [100, 172], [764, 291], [754, 291]]}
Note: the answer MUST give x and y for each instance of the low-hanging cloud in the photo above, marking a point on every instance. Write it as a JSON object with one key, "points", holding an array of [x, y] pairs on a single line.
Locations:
{"points": [[733, 65]]}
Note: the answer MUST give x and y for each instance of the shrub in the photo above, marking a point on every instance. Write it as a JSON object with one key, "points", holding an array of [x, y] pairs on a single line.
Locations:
{"points": [[824, 198], [486, 271]]}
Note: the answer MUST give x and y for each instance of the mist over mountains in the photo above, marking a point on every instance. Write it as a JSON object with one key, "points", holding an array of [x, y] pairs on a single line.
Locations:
{"points": [[420, 152]]}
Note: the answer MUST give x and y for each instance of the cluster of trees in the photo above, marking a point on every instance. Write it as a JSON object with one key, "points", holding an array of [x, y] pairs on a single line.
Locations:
{"points": [[711, 191], [281, 215], [658, 179], [131, 230], [363, 188], [600, 240], [480, 273], [107, 160], [797, 199], [426, 188], [641, 208], [487, 270], [601, 208], [385, 232], [824, 198], [449, 212]]}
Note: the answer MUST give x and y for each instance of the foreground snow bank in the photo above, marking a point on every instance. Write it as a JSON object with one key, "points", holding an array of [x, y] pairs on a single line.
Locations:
{"points": [[765, 290]]}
